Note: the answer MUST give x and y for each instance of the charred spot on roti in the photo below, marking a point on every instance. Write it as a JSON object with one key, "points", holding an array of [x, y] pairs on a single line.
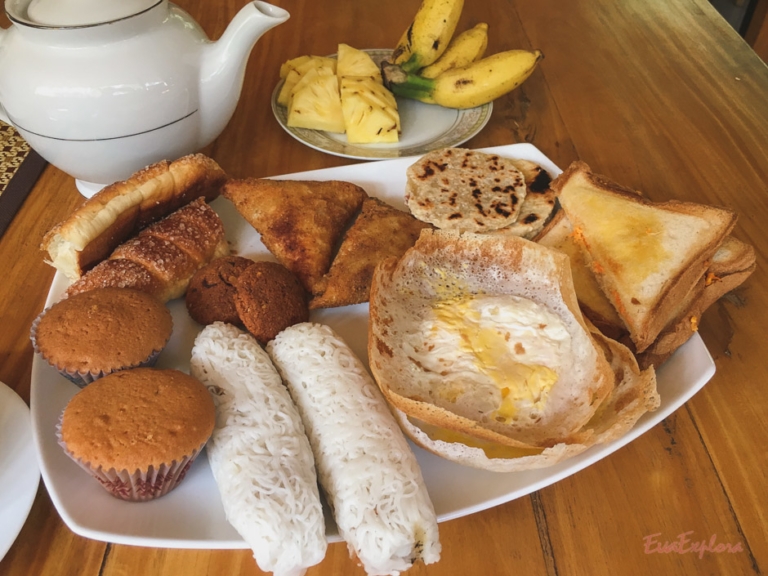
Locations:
{"points": [[541, 182], [535, 211], [428, 171]]}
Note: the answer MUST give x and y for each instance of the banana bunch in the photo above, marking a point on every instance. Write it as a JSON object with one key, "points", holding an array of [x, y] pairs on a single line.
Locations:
{"points": [[431, 65]]}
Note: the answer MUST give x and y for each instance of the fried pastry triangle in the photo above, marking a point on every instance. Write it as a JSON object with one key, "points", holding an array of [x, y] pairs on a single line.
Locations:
{"points": [[300, 222], [380, 231]]}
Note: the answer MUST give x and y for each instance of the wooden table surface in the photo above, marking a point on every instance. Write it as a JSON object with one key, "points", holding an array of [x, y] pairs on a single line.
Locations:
{"points": [[660, 95]]}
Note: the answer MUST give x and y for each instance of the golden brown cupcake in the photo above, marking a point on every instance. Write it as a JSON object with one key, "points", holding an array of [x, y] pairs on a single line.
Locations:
{"points": [[270, 298], [211, 294], [94, 333], [138, 431]]}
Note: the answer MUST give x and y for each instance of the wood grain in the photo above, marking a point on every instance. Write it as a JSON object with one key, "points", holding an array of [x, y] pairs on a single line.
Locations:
{"points": [[29, 278], [618, 510], [46, 546], [500, 526], [659, 95]]}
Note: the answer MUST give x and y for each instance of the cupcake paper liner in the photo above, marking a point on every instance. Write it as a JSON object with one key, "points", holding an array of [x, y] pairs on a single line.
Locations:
{"points": [[140, 485], [83, 378]]}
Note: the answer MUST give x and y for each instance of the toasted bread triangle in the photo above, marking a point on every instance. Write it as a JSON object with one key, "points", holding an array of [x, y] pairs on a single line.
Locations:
{"points": [[731, 265], [646, 256], [300, 222], [593, 302]]}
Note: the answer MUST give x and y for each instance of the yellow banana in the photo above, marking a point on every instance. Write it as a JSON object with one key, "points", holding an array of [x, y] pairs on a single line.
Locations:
{"points": [[485, 80], [473, 85], [464, 49], [428, 35]]}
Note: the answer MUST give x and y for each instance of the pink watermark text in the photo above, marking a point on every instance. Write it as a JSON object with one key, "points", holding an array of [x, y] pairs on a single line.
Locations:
{"points": [[685, 544]]}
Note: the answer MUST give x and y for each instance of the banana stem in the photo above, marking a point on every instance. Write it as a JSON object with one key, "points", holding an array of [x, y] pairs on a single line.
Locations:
{"points": [[405, 84], [413, 64]]}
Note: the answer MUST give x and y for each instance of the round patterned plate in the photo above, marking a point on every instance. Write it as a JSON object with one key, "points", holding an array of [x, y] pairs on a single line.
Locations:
{"points": [[425, 127]]}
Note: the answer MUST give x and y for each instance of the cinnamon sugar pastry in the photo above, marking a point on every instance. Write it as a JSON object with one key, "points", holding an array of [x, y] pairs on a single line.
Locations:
{"points": [[163, 257], [121, 209]]}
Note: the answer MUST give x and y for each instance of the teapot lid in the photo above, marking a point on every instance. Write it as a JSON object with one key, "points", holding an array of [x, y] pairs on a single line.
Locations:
{"points": [[70, 13]]}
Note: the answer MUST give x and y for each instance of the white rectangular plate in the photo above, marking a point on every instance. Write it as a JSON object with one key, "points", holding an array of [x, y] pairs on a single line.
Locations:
{"points": [[192, 516]]}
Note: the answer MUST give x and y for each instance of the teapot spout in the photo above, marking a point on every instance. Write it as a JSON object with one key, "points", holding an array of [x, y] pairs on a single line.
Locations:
{"points": [[222, 65]]}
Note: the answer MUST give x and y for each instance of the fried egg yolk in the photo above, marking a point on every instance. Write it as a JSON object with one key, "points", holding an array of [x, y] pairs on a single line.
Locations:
{"points": [[512, 342]]}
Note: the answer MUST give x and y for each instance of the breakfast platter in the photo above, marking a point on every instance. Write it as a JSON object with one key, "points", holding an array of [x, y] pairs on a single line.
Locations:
{"points": [[424, 128], [192, 515]]}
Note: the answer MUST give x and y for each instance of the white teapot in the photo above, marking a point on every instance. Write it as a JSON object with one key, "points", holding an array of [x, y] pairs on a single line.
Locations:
{"points": [[102, 88]]}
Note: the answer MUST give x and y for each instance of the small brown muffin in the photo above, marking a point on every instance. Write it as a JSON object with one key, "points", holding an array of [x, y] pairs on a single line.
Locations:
{"points": [[269, 299], [94, 333], [211, 294], [137, 431]]}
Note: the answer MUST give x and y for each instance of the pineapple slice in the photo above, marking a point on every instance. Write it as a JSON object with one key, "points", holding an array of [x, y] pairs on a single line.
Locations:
{"points": [[374, 92], [293, 70], [366, 121], [354, 62], [317, 105], [316, 62], [292, 64], [310, 76], [340, 95], [291, 79], [303, 63]]}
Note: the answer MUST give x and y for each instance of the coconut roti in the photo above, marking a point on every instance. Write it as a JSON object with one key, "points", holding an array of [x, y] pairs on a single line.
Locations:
{"points": [[465, 190]]}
